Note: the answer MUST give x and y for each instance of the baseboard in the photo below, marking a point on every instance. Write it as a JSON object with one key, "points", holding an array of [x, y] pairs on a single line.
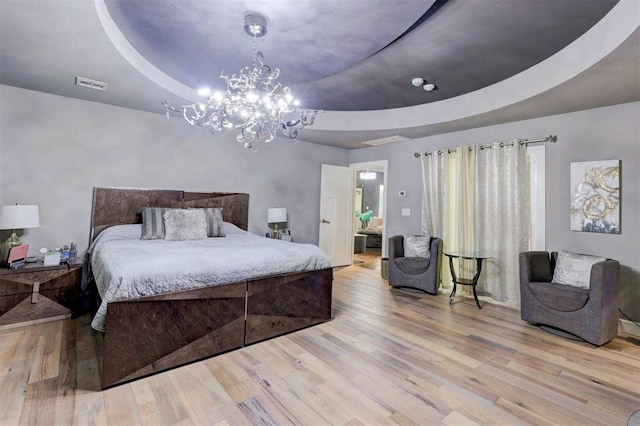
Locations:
{"points": [[629, 327]]}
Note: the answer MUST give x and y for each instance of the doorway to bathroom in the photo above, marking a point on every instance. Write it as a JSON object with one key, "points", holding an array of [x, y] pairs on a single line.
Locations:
{"points": [[369, 201]]}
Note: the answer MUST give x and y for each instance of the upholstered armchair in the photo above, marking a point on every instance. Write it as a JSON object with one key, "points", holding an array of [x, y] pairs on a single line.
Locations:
{"points": [[415, 272], [589, 313]]}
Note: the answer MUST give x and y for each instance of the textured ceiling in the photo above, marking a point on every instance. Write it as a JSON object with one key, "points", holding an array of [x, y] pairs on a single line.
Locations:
{"points": [[354, 59], [194, 41], [357, 55]]}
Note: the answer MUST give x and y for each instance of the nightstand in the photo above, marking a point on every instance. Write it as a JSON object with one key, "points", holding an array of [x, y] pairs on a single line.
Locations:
{"points": [[35, 293]]}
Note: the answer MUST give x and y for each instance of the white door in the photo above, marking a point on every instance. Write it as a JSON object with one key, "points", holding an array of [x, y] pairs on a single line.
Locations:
{"points": [[336, 214]]}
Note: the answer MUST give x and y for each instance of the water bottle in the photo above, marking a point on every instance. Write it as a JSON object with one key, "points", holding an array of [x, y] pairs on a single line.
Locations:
{"points": [[73, 251]]}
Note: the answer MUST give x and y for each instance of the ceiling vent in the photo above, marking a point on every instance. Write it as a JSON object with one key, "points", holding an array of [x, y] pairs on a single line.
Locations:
{"points": [[384, 141], [91, 84]]}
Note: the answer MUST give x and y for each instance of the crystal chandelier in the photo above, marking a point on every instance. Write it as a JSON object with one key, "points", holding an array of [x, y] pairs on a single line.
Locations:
{"points": [[254, 102], [368, 175]]}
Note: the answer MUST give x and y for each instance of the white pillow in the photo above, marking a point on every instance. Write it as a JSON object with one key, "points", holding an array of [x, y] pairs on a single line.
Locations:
{"points": [[417, 246], [574, 269], [183, 224]]}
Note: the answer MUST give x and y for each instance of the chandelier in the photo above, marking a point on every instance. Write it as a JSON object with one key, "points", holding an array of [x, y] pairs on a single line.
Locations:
{"points": [[368, 175], [254, 102]]}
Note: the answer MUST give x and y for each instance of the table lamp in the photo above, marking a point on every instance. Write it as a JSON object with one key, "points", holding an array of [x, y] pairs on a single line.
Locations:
{"points": [[16, 217], [276, 216]]}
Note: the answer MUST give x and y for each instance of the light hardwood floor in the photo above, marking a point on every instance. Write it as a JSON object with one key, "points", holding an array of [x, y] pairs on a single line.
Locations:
{"points": [[387, 357], [370, 259]]}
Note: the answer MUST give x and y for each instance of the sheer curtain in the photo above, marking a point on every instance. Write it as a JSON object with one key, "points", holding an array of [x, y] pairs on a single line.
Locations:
{"points": [[477, 199], [448, 200], [433, 172], [434, 169], [502, 216]]}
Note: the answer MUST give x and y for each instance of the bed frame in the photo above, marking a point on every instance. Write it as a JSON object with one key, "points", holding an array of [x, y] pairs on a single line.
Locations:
{"points": [[155, 333]]}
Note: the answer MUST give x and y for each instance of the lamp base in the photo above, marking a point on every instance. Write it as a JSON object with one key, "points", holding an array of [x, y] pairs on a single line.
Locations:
{"points": [[275, 233], [8, 244]]}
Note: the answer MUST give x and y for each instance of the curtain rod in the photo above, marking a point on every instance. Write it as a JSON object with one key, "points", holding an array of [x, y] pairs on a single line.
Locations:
{"points": [[550, 138]]}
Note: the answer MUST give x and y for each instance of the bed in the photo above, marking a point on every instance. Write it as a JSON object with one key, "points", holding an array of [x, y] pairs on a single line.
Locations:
{"points": [[239, 289]]}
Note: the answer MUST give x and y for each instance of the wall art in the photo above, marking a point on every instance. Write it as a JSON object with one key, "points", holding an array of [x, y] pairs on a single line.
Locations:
{"points": [[595, 196]]}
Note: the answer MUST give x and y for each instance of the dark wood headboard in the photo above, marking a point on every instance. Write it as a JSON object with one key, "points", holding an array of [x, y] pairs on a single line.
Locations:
{"points": [[122, 206]]}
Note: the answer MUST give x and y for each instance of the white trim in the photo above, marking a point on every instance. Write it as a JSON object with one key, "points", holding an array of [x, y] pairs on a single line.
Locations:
{"points": [[138, 61], [628, 327]]}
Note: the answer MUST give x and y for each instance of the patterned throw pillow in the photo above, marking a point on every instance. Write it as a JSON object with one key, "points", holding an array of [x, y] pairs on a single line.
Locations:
{"points": [[214, 222], [153, 223], [417, 246], [574, 269], [181, 225]]}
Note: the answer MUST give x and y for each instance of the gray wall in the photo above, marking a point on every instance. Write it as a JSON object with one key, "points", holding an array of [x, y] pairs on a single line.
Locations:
{"points": [[598, 134], [54, 150]]}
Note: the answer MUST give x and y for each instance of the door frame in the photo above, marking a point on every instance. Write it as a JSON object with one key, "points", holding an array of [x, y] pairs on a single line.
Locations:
{"points": [[378, 164]]}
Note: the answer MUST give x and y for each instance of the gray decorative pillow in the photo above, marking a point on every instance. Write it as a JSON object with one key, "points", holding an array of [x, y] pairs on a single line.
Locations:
{"points": [[153, 223], [181, 225], [574, 269], [214, 222], [417, 246]]}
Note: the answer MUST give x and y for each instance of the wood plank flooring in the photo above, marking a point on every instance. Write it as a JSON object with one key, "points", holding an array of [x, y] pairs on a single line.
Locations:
{"points": [[387, 357], [370, 259]]}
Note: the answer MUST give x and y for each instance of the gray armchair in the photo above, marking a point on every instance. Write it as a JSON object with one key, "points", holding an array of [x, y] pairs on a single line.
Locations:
{"points": [[415, 272], [591, 314]]}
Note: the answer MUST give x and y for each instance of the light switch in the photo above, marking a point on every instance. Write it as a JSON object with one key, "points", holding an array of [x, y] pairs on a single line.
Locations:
{"points": [[406, 212]]}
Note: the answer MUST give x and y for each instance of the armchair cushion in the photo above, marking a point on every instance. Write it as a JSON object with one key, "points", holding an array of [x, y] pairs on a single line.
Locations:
{"points": [[559, 297], [412, 265], [574, 269]]}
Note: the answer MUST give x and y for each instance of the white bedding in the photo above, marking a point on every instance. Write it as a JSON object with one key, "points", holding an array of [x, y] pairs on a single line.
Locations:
{"points": [[124, 266]]}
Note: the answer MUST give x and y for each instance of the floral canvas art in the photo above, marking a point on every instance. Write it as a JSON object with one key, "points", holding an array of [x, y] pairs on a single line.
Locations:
{"points": [[595, 196]]}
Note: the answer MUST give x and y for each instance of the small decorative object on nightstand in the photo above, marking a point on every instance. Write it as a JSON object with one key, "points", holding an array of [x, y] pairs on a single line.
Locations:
{"points": [[16, 217], [52, 258], [286, 235], [36, 293]]}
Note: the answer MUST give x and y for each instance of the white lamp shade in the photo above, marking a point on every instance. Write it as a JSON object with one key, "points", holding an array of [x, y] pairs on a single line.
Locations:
{"points": [[19, 217], [277, 215]]}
